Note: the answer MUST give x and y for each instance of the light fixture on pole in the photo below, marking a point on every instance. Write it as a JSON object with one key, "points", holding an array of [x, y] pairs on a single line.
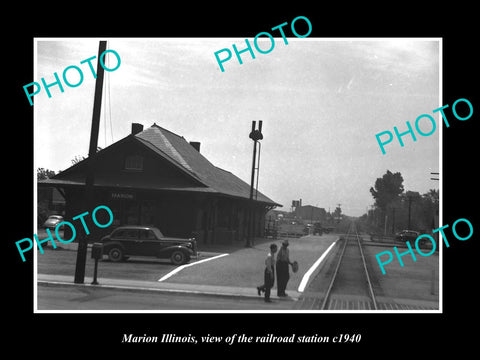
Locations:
{"points": [[255, 135]]}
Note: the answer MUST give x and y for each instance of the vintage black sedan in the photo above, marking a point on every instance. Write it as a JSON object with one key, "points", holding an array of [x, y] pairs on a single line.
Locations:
{"points": [[407, 235], [133, 240], [53, 221]]}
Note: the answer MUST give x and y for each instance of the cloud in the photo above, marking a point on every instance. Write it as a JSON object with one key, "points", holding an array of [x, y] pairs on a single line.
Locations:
{"points": [[321, 102]]}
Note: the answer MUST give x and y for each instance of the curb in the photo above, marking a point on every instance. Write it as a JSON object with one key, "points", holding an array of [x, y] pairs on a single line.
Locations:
{"points": [[136, 288]]}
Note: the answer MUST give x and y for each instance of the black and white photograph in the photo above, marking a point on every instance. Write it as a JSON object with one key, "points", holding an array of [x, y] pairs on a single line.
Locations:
{"points": [[196, 192], [267, 186]]}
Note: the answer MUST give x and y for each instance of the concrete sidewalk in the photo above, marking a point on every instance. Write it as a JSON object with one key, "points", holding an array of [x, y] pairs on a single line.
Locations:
{"points": [[137, 285], [235, 275]]}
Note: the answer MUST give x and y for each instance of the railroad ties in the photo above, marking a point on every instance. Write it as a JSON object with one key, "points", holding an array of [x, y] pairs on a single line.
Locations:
{"points": [[312, 302], [346, 283]]}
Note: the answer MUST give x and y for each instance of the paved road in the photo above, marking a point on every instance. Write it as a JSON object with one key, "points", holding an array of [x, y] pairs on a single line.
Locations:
{"points": [[242, 267], [75, 297], [233, 277], [245, 267], [235, 274], [63, 262]]}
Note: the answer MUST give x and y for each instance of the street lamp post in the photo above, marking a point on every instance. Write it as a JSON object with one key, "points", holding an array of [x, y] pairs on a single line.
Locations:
{"points": [[255, 135]]}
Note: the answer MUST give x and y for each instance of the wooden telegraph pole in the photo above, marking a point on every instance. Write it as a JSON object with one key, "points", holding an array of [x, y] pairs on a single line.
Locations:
{"points": [[97, 105]]}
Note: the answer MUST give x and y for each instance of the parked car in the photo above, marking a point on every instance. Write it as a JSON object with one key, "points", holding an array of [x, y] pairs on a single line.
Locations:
{"points": [[147, 241], [52, 221], [407, 235]]}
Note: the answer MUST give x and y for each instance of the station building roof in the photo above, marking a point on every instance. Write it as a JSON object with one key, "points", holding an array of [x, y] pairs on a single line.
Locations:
{"points": [[174, 149]]}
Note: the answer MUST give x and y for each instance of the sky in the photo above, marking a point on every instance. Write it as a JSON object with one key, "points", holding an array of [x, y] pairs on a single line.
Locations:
{"points": [[322, 101]]}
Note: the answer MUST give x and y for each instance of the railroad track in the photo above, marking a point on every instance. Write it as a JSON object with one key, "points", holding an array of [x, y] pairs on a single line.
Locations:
{"points": [[350, 286], [345, 283]]}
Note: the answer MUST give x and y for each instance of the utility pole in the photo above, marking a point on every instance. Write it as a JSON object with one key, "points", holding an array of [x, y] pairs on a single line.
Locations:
{"points": [[386, 220], [97, 105], [393, 220], [409, 211], [255, 135]]}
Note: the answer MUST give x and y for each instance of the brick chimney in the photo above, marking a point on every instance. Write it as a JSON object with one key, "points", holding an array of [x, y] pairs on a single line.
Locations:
{"points": [[136, 128], [196, 145]]}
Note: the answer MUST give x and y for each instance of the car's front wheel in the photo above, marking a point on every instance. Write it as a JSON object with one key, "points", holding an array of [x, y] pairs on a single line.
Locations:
{"points": [[178, 257], [115, 254]]}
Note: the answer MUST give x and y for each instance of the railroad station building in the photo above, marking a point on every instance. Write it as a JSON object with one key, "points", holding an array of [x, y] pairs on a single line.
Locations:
{"points": [[155, 177]]}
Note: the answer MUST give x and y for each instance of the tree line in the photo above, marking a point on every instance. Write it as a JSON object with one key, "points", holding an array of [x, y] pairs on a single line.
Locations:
{"points": [[395, 209]]}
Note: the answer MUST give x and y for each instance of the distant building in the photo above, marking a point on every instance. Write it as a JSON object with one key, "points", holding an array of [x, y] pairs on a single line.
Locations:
{"points": [[155, 177], [311, 213], [50, 201], [276, 214]]}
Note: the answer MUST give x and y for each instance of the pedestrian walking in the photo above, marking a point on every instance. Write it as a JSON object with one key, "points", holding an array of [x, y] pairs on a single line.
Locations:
{"points": [[269, 274], [282, 265]]}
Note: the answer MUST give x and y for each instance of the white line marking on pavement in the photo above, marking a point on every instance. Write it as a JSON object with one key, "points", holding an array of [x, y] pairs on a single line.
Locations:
{"points": [[310, 271], [180, 268]]}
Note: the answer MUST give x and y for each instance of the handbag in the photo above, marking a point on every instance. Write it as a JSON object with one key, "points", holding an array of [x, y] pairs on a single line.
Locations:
{"points": [[295, 266]]}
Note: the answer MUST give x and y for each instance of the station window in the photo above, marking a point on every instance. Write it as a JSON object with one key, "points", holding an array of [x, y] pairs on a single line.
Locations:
{"points": [[134, 162]]}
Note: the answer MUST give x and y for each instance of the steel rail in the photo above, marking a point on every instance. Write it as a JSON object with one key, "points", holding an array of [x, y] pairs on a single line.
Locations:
{"points": [[370, 287], [332, 281]]}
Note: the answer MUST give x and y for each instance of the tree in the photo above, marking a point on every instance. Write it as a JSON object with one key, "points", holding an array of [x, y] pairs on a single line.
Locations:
{"points": [[43, 194], [43, 174], [412, 203], [432, 196], [387, 189], [430, 207], [79, 158]]}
